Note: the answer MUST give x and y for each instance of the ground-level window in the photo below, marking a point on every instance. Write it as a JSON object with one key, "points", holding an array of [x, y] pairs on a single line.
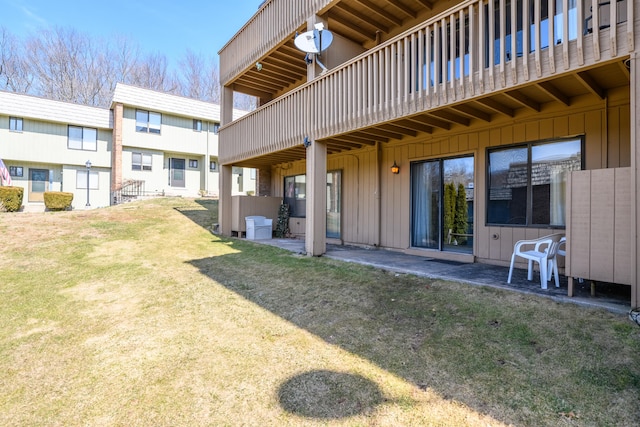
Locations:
{"points": [[141, 161], [295, 195], [15, 124], [81, 180], [527, 183], [148, 121], [213, 165], [197, 125], [193, 163], [442, 200], [82, 138], [215, 128], [16, 171]]}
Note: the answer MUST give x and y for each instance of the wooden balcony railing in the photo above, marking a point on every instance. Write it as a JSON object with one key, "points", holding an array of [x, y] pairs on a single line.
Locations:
{"points": [[271, 24], [448, 59]]}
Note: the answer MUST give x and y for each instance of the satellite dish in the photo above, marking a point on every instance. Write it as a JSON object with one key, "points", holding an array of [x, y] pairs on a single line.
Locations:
{"points": [[314, 41]]}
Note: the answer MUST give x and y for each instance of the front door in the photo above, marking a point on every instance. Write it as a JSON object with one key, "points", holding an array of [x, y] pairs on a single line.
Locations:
{"points": [[38, 184], [176, 173]]}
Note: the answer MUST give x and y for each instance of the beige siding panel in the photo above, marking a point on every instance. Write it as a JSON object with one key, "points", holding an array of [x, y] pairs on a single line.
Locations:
{"points": [[561, 126], [532, 131], [602, 225], [622, 220], [505, 239], [405, 215], [612, 139], [625, 136], [578, 243], [546, 128], [576, 124], [595, 140]]}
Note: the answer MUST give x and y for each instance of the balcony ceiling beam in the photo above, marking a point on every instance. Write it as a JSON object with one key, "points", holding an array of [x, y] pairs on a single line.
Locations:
{"points": [[402, 8], [496, 106], [358, 139], [247, 90], [278, 72], [367, 35], [285, 63], [268, 78], [472, 112], [380, 132], [431, 122], [381, 12], [399, 129], [426, 3], [342, 144], [261, 83], [359, 15], [451, 117], [275, 76], [523, 100], [555, 93], [591, 84]]}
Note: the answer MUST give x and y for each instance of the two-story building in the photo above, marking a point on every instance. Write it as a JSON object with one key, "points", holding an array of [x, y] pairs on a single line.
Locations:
{"points": [[526, 110], [148, 143]]}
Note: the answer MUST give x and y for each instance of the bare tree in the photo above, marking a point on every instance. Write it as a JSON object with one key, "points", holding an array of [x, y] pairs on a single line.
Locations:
{"points": [[14, 72], [152, 73], [63, 64], [68, 66], [199, 77]]}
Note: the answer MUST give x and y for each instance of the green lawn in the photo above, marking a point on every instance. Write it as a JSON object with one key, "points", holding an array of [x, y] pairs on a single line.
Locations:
{"points": [[138, 315]]}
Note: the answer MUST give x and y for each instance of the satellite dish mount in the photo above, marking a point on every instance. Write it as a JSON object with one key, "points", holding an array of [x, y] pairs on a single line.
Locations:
{"points": [[313, 42]]}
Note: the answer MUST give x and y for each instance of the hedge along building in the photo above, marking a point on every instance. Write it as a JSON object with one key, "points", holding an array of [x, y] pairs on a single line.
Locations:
{"points": [[164, 144], [531, 107]]}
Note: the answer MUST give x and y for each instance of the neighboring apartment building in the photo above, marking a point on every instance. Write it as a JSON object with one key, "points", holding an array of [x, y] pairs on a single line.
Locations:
{"points": [[45, 145], [149, 143], [531, 109]]}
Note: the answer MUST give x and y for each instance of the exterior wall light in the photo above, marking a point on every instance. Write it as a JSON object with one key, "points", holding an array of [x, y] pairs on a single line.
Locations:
{"points": [[395, 169], [258, 66]]}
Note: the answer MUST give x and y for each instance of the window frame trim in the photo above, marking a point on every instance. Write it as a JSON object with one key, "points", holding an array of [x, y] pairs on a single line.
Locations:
{"points": [[529, 208], [82, 139], [16, 120], [148, 123]]}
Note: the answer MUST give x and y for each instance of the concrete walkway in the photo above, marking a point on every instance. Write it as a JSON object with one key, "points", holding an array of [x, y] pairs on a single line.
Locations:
{"points": [[609, 297]]}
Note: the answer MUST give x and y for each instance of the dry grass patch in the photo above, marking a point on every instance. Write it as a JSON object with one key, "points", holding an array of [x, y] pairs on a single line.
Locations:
{"points": [[137, 315]]}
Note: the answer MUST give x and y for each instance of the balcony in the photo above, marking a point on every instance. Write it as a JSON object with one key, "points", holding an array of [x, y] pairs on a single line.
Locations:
{"points": [[450, 71]]}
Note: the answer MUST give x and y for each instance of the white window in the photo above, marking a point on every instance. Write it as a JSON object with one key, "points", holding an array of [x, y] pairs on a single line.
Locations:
{"points": [[141, 161], [82, 138], [15, 124], [193, 163], [81, 180], [213, 166], [148, 121]]}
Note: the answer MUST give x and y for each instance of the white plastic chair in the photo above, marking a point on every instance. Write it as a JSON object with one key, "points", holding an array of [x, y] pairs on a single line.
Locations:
{"points": [[552, 269], [543, 252]]}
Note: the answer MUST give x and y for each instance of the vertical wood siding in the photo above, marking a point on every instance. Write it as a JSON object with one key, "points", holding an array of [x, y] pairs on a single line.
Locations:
{"points": [[492, 243], [417, 71]]}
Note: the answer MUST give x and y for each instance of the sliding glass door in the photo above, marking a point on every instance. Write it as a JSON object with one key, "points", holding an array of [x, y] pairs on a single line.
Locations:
{"points": [[442, 204]]}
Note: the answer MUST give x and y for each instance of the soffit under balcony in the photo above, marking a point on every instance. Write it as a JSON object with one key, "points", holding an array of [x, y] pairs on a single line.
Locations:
{"points": [[365, 22], [564, 89]]}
